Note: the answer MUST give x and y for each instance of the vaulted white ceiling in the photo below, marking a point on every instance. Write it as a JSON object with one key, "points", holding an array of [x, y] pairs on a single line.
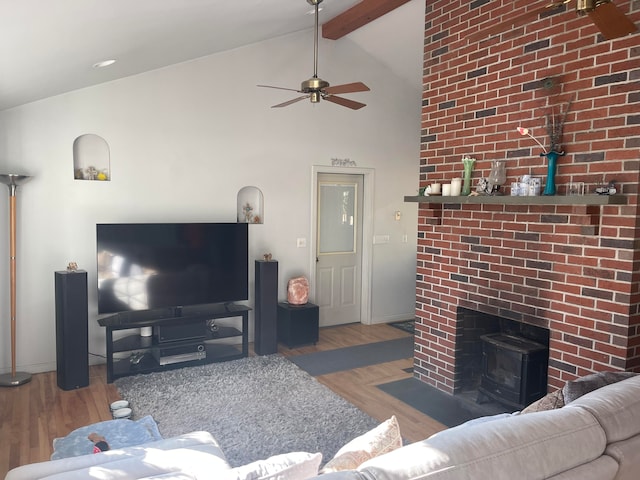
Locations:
{"points": [[48, 47]]}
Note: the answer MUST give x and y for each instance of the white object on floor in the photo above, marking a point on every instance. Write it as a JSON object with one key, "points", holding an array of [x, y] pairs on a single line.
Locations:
{"points": [[122, 413], [117, 405]]}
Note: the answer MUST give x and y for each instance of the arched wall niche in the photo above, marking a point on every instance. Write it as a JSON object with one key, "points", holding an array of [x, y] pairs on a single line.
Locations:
{"points": [[91, 158], [250, 205]]}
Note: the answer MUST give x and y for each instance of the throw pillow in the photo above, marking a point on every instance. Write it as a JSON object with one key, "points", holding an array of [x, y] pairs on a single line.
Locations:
{"points": [[581, 386], [289, 466], [382, 439], [549, 402]]}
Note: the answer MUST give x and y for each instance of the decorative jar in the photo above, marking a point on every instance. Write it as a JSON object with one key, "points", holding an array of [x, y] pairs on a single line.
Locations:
{"points": [[497, 176]]}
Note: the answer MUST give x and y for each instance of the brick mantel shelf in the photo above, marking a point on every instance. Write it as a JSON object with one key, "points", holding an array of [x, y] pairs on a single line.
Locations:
{"points": [[513, 200], [584, 211]]}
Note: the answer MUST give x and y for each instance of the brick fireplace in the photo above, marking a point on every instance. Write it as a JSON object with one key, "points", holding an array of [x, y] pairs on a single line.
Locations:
{"points": [[569, 268]]}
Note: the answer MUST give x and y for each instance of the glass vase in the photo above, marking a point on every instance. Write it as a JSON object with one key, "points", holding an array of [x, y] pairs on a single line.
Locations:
{"points": [[552, 162], [497, 176], [467, 163]]}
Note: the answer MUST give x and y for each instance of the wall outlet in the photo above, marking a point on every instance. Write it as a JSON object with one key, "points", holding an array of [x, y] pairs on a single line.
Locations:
{"points": [[301, 242]]}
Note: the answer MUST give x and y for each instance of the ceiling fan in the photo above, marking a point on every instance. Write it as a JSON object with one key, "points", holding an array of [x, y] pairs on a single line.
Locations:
{"points": [[609, 19], [315, 88]]}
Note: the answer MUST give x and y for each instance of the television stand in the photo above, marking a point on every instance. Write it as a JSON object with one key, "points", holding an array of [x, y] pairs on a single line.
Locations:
{"points": [[181, 337]]}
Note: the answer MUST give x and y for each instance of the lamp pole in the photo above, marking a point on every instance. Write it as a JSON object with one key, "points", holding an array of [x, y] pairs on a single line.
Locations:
{"points": [[12, 181]]}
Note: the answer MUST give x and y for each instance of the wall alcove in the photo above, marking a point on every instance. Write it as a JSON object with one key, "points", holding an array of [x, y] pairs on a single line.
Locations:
{"points": [[250, 205], [91, 158]]}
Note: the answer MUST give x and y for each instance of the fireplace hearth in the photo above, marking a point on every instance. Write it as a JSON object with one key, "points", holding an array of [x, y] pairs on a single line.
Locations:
{"points": [[514, 370]]}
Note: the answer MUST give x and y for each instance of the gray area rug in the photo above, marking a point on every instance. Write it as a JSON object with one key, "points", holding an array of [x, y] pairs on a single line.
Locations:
{"points": [[348, 358], [255, 407]]}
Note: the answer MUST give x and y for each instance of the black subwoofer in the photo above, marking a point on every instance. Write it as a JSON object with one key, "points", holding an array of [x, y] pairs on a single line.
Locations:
{"points": [[72, 329]]}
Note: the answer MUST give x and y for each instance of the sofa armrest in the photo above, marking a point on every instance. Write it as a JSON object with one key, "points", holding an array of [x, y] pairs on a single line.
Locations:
{"points": [[202, 441]]}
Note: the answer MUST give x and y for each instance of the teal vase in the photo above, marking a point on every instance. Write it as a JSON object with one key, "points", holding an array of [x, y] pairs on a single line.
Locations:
{"points": [[468, 168], [552, 165]]}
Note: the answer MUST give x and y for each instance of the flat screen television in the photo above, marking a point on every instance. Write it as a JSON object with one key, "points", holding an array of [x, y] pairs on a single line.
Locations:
{"points": [[145, 266]]}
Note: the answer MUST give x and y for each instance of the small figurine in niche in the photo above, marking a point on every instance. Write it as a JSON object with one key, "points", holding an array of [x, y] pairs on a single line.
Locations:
{"points": [[247, 210], [298, 291], [92, 173]]}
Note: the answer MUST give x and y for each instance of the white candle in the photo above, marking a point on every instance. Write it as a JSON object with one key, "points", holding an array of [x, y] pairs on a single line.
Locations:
{"points": [[446, 190], [435, 189], [456, 187]]}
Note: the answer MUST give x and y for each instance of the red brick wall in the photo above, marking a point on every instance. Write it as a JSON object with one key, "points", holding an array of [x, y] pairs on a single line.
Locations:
{"points": [[532, 263]]}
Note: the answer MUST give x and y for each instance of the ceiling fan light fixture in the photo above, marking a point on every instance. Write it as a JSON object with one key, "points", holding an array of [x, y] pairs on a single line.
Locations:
{"points": [[314, 84], [315, 97], [583, 7]]}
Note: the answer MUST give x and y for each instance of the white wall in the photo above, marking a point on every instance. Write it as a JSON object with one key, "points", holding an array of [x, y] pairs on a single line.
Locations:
{"points": [[184, 140]]}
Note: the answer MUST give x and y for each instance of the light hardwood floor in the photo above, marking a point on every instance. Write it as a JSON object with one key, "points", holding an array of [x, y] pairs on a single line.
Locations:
{"points": [[32, 415]]}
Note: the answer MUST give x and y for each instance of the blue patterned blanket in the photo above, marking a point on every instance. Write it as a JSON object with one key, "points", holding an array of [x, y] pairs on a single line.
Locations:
{"points": [[118, 434]]}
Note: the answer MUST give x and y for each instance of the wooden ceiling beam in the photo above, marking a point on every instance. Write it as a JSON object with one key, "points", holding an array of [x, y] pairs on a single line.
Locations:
{"points": [[357, 16]]}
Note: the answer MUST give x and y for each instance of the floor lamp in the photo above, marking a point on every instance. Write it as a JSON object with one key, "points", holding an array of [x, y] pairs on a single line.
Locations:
{"points": [[12, 181]]}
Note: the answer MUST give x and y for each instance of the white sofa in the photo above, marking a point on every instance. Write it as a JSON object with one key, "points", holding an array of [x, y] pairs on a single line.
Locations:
{"points": [[596, 437]]}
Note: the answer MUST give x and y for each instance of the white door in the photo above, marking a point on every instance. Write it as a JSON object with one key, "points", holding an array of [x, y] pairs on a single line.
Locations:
{"points": [[339, 248]]}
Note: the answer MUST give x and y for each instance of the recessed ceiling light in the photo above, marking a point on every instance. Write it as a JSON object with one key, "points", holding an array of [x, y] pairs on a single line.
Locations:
{"points": [[104, 63]]}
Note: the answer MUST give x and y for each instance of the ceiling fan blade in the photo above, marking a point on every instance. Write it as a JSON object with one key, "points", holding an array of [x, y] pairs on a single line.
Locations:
{"points": [[344, 102], [347, 88], [279, 88], [514, 21], [289, 102], [611, 22]]}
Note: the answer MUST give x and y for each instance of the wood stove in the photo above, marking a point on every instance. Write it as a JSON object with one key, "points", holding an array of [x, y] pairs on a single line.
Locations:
{"points": [[514, 370]]}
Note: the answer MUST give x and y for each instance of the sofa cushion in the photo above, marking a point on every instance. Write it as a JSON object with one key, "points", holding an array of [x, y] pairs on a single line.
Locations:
{"points": [[380, 440], [616, 407], [538, 445], [194, 462], [288, 466], [170, 476], [602, 468], [627, 454]]}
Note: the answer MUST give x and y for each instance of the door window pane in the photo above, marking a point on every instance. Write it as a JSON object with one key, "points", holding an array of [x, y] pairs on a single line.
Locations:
{"points": [[336, 226]]}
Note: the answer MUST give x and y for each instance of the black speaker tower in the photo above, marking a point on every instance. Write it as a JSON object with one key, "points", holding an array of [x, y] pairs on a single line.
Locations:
{"points": [[266, 308], [72, 329]]}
